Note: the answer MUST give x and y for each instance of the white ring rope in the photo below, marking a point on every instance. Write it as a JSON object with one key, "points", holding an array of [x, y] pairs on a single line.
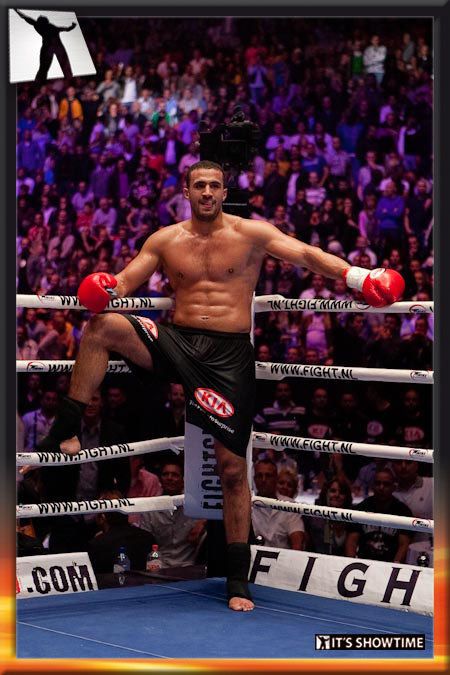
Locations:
{"points": [[72, 302], [123, 505], [280, 442], [347, 515], [56, 458], [266, 371], [53, 366], [278, 303], [259, 439], [167, 503], [263, 303]]}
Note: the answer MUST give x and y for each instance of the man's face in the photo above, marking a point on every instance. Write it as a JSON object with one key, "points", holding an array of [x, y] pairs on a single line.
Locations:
{"points": [[405, 469], [206, 194], [390, 323], [336, 142], [266, 479], [263, 353], [34, 382], [348, 402], [383, 486], [318, 282], [293, 355], [50, 402], [283, 392], [177, 395], [311, 357], [172, 480], [411, 400], [394, 258], [115, 397], [389, 189], [421, 327], [320, 398], [93, 408], [339, 286], [59, 321], [421, 187]]}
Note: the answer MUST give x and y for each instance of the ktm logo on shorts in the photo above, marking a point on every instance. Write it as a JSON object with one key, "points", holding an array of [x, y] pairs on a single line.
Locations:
{"points": [[213, 402], [149, 326]]}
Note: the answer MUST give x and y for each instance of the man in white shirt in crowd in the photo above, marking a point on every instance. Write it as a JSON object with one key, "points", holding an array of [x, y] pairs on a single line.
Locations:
{"points": [[277, 528], [362, 248], [338, 160], [365, 173], [105, 216], [315, 192], [276, 139], [146, 103], [178, 536], [82, 196], [374, 57], [415, 491]]}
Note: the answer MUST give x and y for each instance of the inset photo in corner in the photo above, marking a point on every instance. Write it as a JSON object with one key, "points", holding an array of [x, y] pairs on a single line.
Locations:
{"points": [[45, 46]]}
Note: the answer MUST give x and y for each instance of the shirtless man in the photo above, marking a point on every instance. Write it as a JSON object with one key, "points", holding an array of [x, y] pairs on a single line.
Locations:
{"points": [[213, 262]]}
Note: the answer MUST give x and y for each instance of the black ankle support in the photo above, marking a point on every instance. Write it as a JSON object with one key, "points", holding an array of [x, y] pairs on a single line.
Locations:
{"points": [[238, 564], [66, 424]]}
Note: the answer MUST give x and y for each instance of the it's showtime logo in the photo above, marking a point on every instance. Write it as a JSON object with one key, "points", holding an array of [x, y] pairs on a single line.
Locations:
{"points": [[213, 402]]}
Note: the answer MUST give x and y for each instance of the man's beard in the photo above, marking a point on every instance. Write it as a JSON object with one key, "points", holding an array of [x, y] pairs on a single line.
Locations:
{"points": [[207, 216]]}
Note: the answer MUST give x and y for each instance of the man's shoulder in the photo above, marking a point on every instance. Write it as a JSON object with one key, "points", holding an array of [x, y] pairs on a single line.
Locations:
{"points": [[251, 228], [399, 508], [165, 234], [29, 416]]}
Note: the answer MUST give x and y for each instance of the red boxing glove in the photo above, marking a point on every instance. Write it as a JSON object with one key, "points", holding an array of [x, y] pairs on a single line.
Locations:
{"points": [[380, 287], [95, 291]]}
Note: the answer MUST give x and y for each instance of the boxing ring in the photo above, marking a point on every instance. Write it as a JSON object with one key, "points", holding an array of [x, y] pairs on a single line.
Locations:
{"points": [[190, 619]]}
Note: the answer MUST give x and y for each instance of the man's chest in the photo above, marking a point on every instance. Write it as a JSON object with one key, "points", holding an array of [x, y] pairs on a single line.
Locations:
{"points": [[209, 260]]}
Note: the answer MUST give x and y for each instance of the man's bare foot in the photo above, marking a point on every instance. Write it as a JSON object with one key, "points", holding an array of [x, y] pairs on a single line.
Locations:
{"points": [[241, 604], [71, 447]]}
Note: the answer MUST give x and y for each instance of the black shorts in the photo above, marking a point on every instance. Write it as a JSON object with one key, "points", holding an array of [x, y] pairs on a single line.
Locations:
{"points": [[217, 371]]}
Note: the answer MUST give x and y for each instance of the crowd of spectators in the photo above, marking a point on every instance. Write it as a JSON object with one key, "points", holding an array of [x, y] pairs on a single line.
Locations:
{"points": [[344, 163]]}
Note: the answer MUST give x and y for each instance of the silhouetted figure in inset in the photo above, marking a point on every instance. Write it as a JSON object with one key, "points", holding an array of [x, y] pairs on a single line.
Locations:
{"points": [[51, 46]]}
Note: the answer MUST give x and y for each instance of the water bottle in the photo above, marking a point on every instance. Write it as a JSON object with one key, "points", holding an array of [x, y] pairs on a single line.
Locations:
{"points": [[122, 565], [154, 563]]}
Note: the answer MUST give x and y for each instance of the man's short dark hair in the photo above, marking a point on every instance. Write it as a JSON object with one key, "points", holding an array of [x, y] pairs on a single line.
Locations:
{"points": [[267, 461], [203, 164], [173, 462]]}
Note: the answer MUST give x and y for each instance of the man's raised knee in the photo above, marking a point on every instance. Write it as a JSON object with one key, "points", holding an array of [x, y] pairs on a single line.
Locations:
{"points": [[233, 475], [100, 328]]}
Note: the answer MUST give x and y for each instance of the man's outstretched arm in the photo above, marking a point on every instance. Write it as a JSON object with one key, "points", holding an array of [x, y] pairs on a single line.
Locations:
{"points": [[380, 287], [24, 16], [97, 289], [66, 30]]}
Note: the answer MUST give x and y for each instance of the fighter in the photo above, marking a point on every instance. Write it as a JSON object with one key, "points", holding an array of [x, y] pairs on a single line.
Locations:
{"points": [[212, 262], [51, 45]]}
